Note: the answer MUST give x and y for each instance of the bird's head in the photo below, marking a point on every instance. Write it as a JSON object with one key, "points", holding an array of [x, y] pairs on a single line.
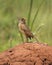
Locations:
{"points": [[21, 20]]}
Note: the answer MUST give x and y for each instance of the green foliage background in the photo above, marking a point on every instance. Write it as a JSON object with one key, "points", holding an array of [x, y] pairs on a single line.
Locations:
{"points": [[10, 9]]}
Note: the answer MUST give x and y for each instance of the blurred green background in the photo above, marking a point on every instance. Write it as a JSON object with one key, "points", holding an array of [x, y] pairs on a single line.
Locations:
{"points": [[36, 11]]}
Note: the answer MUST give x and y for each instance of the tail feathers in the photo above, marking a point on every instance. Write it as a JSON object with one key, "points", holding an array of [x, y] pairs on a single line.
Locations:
{"points": [[33, 36], [30, 36]]}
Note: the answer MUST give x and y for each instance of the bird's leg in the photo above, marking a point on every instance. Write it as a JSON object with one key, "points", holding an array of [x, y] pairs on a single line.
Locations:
{"points": [[21, 37], [26, 39]]}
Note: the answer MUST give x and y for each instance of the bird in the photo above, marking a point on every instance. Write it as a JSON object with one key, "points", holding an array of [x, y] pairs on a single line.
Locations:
{"points": [[24, 29]]}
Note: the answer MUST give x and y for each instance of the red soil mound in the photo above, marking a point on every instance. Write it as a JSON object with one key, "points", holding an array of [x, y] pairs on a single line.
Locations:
{"points": [[27, 54]]}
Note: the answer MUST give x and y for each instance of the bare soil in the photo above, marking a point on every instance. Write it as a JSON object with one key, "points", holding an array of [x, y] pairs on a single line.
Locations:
{"points": [[27, 54]]}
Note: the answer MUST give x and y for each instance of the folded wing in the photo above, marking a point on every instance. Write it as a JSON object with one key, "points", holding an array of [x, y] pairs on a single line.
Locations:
{"points": [[27, 31]]}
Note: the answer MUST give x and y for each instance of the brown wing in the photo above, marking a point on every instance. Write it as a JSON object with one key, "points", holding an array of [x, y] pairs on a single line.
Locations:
{"points": [[27, 31]]}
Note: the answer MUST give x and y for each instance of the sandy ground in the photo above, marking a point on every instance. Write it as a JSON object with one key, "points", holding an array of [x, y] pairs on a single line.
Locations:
{"points": [[27, 54]]}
